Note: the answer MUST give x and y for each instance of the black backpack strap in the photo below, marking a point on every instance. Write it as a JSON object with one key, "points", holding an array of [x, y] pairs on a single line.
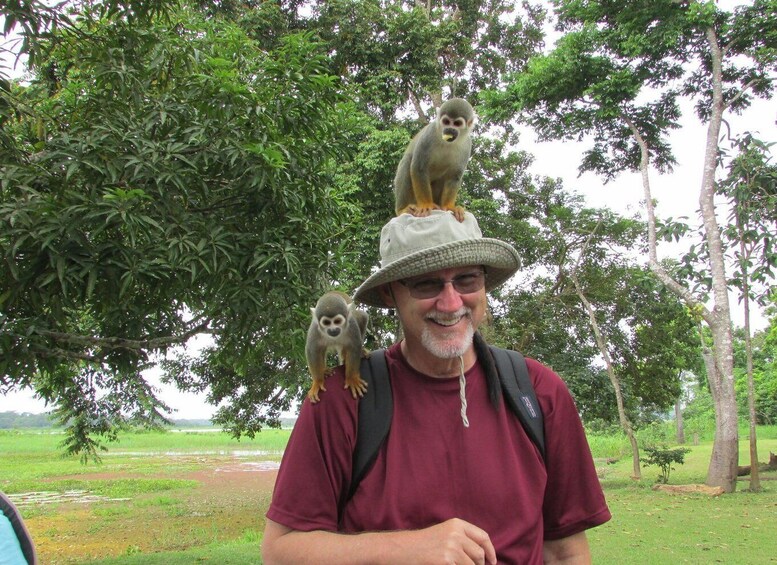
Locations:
{"points": [[486, 359], [511, 367], [376, 408]]}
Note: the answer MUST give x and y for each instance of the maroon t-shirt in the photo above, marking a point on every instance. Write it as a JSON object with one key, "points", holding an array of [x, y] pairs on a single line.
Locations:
{"points": [[431, 468]]}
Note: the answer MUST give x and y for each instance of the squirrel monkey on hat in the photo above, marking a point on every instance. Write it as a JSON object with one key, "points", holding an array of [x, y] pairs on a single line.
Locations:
{"points": [[336, 325], [429, 175]]}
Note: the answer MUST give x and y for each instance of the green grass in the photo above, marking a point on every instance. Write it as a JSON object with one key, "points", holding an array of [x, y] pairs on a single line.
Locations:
{"points": [[239, 552], [647, 527], [110, 488], [46, 441], [651, 527], [32, 456], [654, 527]]}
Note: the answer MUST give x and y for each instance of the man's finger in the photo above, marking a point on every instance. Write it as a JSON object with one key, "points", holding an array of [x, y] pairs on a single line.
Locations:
{"points": [[483, 540]]}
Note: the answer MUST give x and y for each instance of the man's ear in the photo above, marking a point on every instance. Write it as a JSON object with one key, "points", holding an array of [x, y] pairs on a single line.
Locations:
{"points": [[387, 295]]}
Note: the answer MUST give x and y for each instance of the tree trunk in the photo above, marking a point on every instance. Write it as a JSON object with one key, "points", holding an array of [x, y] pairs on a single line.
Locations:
{"points": [[718, 399], [755, 477], [624, 420], [725, 449], [678, 418], [722, 471]]}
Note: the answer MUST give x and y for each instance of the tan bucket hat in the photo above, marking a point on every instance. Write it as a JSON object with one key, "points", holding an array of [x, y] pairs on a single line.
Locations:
{"points": [[412, 246]]}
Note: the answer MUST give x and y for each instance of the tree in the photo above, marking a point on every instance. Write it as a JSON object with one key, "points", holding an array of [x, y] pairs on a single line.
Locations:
{"points": [[582, 275], [764, 375], [642, 374], [662, 345], [190, 155], [163, 178], [751, 187], [601, 343], [664, 457], [766, 367], [617, 74]]}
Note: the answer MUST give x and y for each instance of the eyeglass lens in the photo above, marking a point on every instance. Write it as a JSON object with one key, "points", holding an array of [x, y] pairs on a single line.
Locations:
{"points": [[463, 284]]}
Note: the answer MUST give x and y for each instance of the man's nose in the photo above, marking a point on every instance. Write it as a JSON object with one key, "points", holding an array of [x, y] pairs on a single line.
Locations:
{"points": [[449, 298]]}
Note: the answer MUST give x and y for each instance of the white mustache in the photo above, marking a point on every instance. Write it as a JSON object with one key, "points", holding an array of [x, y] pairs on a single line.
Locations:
{"points": [[449, 318]]}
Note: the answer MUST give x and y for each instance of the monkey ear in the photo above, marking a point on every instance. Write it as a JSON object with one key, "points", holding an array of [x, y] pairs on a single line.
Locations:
{"points": [[313, 311]]}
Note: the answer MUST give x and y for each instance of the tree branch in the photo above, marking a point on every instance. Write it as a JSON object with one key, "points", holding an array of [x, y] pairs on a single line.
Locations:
{"points": [[57, 353], [417, 105], [123, 343], [653, 263], [742, 92]]}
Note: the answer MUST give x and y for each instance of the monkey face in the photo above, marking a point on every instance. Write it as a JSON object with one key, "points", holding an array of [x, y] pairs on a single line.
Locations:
{"points": [[331, 326], [451, 127]]}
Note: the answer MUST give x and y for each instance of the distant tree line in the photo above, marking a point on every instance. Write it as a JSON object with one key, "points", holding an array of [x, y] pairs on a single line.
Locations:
{"points": [[17, 420], [12, 420]]}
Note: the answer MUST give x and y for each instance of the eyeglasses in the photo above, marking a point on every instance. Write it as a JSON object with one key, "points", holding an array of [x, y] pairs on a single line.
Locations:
{"points": [[465, 283]]}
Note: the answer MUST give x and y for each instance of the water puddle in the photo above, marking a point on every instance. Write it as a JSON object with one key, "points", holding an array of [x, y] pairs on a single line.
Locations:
{"points": [[251, 467], [234, 465], [223, 453], [52, 497]]}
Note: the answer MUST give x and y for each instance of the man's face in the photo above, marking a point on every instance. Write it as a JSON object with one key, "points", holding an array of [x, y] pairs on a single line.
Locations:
{"points": [[437, 315]]}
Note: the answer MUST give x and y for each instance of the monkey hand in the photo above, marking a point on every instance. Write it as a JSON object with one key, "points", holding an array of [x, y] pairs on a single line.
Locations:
{"points": [[356, 384], [314, 390], [418, 210], [458, 212]]}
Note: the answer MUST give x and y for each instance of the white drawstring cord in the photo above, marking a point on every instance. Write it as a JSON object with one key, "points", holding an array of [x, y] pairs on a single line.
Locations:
{"points": [[463, 394]]}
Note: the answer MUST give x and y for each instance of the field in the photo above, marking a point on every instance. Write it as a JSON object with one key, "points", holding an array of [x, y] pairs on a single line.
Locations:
{"points": [[190, 497]]}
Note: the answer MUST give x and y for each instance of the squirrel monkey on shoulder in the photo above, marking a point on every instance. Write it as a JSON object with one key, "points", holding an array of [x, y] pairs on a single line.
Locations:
{"points": [[429, 175], [336, 325]]}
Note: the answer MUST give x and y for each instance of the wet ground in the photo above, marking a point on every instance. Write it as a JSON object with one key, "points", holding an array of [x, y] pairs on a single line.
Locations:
{"points": [[229, 500]]}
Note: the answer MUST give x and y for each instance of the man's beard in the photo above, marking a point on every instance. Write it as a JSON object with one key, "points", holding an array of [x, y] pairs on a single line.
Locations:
{"points": [[449, 348]]}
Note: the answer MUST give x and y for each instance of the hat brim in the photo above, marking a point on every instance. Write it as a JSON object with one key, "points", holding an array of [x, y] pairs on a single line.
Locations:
{"points": [[500, 259]]}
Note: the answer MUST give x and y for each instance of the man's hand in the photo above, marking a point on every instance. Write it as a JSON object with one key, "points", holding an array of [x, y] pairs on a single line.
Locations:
{"points": [[452, 542]]}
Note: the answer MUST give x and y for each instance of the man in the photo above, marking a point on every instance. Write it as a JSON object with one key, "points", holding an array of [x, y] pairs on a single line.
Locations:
{"points": [[457, 479]]}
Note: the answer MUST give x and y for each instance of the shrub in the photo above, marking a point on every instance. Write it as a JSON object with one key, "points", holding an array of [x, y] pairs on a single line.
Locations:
{"points": [[664, 457]]}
